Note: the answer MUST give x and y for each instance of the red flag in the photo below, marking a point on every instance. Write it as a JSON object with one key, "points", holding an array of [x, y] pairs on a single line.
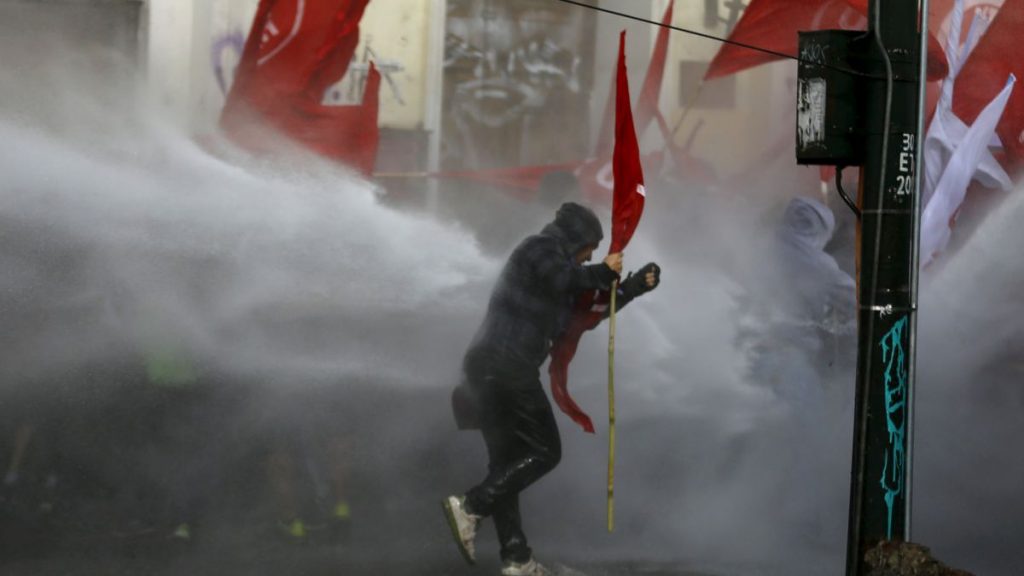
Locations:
{"points": [[773, 25], [629, 195], [627, 207], [295, 51], [647, 105], [595, 175], [985, 73], [938, 65], [524, 181]]}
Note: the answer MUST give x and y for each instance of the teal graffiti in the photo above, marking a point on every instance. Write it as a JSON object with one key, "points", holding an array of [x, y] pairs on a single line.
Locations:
{"points": [[895, 413]]}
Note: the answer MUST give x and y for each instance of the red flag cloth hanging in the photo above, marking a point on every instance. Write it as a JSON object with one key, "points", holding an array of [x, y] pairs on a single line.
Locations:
{"points": [[595, 176], [647, 104], [523, 180], [985, 73], [627, 207], [295, 51], [629, 193], [773, 25]]}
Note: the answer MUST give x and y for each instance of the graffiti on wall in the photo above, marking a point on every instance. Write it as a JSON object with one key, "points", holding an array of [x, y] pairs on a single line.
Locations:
{"points": [[509, 67], [504, 87], [349, 90], [894, 357], [226, 52]]}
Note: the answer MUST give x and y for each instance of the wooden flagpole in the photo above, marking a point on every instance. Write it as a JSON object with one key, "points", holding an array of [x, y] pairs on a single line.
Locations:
{"points": [[611, 408]]}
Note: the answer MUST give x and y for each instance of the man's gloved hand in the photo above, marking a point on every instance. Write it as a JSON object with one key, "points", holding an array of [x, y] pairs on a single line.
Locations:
{"points": [[642, 281]]}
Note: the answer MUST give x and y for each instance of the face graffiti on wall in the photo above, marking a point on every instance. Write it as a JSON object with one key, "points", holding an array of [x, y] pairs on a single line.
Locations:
{"points": [[509, 57], [517, 74]]}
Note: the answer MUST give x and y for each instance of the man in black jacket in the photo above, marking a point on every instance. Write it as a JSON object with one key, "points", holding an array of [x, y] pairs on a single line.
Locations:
{"points": [[502, 394]]}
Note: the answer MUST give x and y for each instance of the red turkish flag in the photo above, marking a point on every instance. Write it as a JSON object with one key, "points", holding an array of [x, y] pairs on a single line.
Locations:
{"points": [[985, 73], [773, 25], [627, 207], [295, 51], [523, 181], [650, 92], [629, 192]]}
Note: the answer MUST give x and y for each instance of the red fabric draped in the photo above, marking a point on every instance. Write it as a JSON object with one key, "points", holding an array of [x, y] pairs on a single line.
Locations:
{"points": [[295, 51], [647, 104], [773, 25]]}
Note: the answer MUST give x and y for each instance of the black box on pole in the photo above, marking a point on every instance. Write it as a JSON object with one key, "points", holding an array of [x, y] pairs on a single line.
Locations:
{"points": [[829, 100]]}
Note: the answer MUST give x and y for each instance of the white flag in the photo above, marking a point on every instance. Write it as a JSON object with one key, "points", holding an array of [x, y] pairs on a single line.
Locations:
{"points": [[943, 191], [947, 130], [957, 175]]}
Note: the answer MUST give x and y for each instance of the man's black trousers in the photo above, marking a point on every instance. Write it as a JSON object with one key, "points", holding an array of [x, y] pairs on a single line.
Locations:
{"points": [[523, 445]]}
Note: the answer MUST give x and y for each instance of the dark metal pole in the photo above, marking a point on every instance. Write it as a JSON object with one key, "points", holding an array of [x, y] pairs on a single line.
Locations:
{"points": [[887, 288]]}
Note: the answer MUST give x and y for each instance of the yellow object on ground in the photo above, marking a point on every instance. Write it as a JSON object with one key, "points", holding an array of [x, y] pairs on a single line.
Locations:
{"points": [[182, 532], [342, 510], [297, 529]]}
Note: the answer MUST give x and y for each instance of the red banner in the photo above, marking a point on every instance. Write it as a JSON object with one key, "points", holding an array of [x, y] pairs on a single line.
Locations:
{"points": [[773, 25], [523, 181], [295, 51], [647, 104]]}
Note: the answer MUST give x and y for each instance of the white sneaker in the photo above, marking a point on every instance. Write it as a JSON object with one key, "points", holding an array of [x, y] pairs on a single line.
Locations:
{"points": [[531, 568], [463, 525]]}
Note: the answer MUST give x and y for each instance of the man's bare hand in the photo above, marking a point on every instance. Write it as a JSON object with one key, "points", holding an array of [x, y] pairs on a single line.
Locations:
{"points": [[614, 261]]}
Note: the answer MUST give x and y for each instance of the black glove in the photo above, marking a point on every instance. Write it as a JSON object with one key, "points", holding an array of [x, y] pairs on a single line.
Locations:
{"points": [[636, 283]]}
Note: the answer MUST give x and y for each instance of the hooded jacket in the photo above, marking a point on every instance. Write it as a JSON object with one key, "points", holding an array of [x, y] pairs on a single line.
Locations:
{"points": [[816, 289], [532, 300]]}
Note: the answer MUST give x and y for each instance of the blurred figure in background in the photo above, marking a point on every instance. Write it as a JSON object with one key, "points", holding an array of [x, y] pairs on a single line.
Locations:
{"points": [[801, 325], [22, 438], [309, 471], [799, 334], [29, 479]]}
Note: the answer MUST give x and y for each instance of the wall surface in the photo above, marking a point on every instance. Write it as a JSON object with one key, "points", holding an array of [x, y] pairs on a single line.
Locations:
{"points": [[35, 30]]}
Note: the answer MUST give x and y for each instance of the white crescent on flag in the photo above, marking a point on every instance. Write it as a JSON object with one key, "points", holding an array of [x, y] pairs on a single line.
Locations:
{"points": [[300, 10]]}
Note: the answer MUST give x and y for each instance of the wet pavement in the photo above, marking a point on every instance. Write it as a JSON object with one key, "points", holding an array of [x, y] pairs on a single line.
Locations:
{"points": [[227, 551], [224, 555]]}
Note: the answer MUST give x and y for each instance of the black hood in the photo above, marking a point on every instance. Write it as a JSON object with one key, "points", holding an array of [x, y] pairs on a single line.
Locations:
{"points": [[576, 226]]}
